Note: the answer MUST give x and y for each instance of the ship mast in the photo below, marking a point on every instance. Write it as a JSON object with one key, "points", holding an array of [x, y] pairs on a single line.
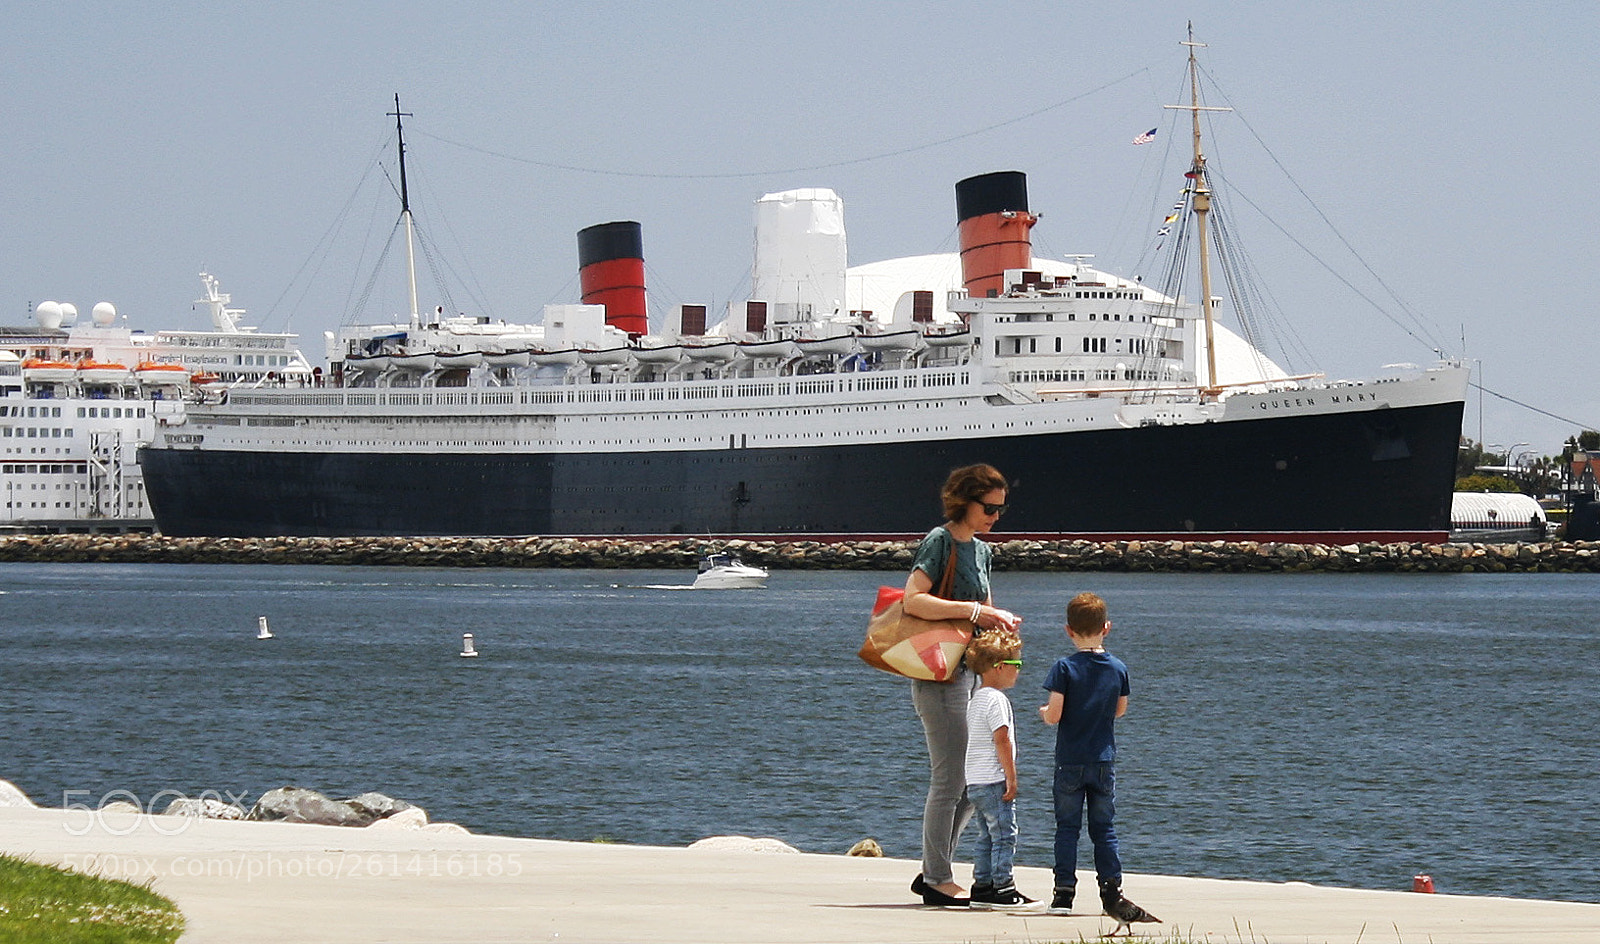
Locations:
{"points": [[405, 212], [1202, 207]]}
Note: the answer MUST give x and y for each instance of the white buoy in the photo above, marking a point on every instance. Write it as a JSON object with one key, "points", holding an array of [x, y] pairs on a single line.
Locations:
{"points": [[467, 652], [262, 632]]}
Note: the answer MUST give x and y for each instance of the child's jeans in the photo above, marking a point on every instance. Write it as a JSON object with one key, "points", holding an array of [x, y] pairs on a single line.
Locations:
{"points": [[997, 834], [1096, 785]]}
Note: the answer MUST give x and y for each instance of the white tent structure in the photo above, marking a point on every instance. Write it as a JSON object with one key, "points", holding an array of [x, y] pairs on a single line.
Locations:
{"points": [[1496, 517]]}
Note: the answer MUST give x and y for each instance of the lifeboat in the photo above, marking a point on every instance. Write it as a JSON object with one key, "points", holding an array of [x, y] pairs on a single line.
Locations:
{"points": [[711, 352], [566, 357], [101, 372], [505, 360], [153, 373], [610, 357], [46, 371], [420, 363], [954, 339], [893, 341], [783, 350], [819, 347], [375, 363], [461, 360], [667, 354], [202, 377]]}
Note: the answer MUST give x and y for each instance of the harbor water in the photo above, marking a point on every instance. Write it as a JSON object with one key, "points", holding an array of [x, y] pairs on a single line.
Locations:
{"points": [[1350, 730]]}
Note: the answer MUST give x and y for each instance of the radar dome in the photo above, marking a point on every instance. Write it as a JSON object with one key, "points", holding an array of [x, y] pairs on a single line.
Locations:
{"points": [[104, 313], [69, 312], [48, 314]]}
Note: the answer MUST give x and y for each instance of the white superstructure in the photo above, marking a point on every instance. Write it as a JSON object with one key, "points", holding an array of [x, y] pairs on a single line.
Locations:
{"points": [[1069, 355]]}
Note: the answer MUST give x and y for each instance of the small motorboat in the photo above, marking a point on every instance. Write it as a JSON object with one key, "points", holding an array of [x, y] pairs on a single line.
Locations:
{"points": [[726, 572]]}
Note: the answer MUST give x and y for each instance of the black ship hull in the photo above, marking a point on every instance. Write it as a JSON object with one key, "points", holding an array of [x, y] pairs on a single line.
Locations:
{"points": [[1378, 475]]}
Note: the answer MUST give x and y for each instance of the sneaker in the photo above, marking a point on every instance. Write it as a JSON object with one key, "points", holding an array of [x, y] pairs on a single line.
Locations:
{"points": [[1006, 898], [980, 893], [1009, 899], [1061, 901]]}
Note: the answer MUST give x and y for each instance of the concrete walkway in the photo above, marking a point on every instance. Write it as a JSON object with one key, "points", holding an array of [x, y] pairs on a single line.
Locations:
{"points": [[270, 882]]}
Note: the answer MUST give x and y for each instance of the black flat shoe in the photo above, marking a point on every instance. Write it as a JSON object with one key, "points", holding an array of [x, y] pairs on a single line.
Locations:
{"points": [[932, 896]]}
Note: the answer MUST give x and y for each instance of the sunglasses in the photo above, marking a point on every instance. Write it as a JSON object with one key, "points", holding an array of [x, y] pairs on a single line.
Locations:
{"points": [[989, 509], [1015, 662]]}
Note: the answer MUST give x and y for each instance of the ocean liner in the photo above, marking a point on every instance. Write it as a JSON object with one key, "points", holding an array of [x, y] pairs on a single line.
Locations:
{"points": [[1114, 409]]}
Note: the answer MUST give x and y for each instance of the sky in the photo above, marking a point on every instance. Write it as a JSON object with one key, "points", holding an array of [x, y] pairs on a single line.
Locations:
{"points": [[1406, 178]]}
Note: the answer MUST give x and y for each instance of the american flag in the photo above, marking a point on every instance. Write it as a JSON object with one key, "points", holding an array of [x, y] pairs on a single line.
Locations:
{"points": [[1146, 138]]}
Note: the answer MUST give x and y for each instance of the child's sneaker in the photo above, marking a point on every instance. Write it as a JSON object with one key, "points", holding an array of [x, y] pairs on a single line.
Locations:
{"points": [[1061, 901], [1000, 899]]}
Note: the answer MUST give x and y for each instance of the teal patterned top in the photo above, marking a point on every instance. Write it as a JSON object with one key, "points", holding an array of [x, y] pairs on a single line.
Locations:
{"points": [[972, 564]]}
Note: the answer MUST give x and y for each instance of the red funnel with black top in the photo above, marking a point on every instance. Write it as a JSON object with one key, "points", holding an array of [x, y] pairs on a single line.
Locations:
{"points": [[992, 211], [611, 273]]}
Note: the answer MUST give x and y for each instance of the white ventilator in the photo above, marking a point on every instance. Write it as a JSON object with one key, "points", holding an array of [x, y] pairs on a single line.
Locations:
{"points": [[800, 255]]}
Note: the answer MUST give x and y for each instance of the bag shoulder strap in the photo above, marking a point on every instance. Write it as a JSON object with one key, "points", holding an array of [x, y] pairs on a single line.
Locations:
{"points": [[948, 581]]}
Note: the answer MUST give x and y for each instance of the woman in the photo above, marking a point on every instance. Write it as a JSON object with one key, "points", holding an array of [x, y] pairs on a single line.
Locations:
{"points": [[974, 498]]}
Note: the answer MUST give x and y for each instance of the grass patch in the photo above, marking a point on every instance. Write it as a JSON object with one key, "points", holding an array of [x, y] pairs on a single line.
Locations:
{"points": [[45, 904]]}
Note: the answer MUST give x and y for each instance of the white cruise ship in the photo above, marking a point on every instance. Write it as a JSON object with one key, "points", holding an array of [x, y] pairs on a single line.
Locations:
{"points": [[78, 401]]}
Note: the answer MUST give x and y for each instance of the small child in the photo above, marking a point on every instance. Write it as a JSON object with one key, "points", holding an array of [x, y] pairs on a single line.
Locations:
{"points": [[1088, 693], [995, 656]]}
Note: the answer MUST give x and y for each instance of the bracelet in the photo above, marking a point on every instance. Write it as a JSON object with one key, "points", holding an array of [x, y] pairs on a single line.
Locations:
{"points": [[977, 608]]}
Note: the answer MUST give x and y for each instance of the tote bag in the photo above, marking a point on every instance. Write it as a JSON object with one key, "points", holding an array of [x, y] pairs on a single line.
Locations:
{"points": [[908, 645]]}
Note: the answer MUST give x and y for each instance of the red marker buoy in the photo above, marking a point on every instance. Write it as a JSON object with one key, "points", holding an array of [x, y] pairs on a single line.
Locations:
{"points": [[1423, 884]]}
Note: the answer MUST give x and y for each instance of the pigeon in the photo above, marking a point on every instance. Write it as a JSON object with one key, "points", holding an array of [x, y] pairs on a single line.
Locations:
{"points": [[1126, 914]]}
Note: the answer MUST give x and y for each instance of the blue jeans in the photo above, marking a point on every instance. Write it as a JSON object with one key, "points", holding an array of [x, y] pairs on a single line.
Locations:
{"points": [[1096, 785], [997, 834]]}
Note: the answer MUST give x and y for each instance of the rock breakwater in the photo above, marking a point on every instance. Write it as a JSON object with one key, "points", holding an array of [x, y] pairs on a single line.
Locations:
{"points": [[615, 553]]}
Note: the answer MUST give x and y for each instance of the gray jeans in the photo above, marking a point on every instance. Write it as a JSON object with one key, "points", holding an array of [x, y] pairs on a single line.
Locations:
{"points": [[942, 706]]}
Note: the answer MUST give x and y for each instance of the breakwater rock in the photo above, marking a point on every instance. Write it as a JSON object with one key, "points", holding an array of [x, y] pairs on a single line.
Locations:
{"points": [[617, 553], [299, 805]]}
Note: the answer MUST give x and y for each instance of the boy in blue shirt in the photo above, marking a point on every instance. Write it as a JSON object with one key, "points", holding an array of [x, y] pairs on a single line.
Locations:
{"points": [[1088, 693]]}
